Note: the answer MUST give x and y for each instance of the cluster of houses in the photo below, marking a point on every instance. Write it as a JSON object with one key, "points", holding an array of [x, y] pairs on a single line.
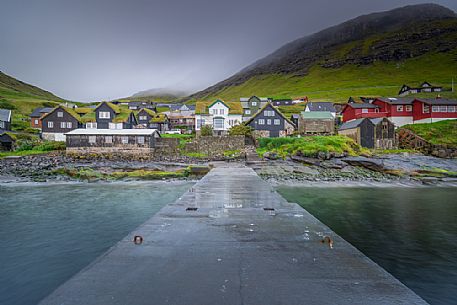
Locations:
{"points": [[371, 122]]}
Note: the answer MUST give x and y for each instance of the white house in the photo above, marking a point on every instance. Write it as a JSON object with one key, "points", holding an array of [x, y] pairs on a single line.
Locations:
{"points": [[220, 115]]}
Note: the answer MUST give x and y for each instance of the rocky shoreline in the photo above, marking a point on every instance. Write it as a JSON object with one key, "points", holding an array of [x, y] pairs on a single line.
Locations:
{"points": [[400, 169]]}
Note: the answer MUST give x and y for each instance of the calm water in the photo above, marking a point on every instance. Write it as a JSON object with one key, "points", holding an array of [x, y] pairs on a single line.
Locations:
{"points": [[48, 233], [411, 232]]}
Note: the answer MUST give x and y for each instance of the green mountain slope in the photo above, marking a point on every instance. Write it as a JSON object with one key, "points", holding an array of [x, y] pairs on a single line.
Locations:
{"points": [[22, 98], [371, 55]]}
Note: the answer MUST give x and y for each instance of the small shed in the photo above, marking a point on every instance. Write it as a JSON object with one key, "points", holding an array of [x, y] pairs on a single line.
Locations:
{"points": [[316, 122], [377, 133], [6, 142]]}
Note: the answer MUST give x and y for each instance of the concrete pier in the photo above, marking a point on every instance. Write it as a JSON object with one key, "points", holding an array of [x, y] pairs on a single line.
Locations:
{"points": [[244, 244]]}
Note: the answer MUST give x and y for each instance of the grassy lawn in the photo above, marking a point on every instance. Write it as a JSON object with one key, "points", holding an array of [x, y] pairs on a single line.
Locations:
{"points": [[31, 146], [443, 132], [309, 146]]}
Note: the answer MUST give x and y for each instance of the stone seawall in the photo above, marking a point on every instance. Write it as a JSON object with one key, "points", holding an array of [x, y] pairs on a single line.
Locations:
{"points": [[216, 145]]}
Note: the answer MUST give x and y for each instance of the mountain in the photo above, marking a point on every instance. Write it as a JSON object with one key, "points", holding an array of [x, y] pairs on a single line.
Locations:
{"points": [[371, 54], [159, 94], [22, 98]]}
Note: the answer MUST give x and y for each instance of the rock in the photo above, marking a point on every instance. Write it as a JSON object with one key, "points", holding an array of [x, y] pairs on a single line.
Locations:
{"points": [[369, 163], [271, 156], [306, 160]]}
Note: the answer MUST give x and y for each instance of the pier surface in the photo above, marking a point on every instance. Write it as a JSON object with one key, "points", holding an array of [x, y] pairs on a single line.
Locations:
{"points": [[244, 244]]}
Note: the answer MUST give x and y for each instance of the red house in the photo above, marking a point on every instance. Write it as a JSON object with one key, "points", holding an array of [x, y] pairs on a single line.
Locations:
{"points": [[434, 110], [402, 111], [354, 111]]}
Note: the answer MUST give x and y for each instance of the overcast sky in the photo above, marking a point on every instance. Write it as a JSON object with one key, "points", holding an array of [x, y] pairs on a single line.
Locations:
{"points": [[88, 50]]}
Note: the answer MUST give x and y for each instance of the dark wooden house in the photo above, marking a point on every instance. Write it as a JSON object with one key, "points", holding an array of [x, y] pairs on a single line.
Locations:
{"points": [[58, 122], [110, 116], [151, 119], [6, 141], [377, 133], [5, 119], [252, 105], [270, 122]]}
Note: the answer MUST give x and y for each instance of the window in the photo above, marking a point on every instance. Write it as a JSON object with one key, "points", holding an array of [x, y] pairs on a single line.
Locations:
{"points": [[268, 121], [400, 108], [200, 123], [221, 111], [435, 108], [218, 123], [425, 108], [450, 108], [125, 140], [104, 115], [247, 111], [409, 108], [268, 113], [443, 108], [254, 103], [63, 124], [277, 122], [364, 110], [69, 125], [91, 125], [92, 139], [115, 125], [143, 118], [36, 122], [108, 139], [2, 124], [60, 114], [261, 121], [50, 124], [140, 140]]}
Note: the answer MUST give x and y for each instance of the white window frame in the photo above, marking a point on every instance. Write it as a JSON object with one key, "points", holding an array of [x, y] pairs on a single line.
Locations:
{"points": [[254, 103], [364, 110], [425, 108], [268, 121], [217, 126], [277, 122], [451, 108], [435, 108], [2, 124], [125, 140], [60, 114], [409, 108], [261, 121], [50, 124], [247, 111], [443, 108], [108, 139], [143, 118], [140, 140], [69, 125], [91, 125], [104, 115], [92, 139], [36, 121], [63, 125], [400, 108]]}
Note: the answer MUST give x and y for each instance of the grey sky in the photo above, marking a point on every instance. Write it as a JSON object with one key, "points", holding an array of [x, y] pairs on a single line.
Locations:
{"points": [[104, 49]]}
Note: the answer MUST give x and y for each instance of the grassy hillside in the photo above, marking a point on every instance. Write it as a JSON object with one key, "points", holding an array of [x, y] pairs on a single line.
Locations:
{"points": [[443, 132], [337, 84], [22, 98]]}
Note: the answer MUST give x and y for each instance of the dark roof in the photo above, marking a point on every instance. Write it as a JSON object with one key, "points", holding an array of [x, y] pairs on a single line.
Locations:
{"points": [[437, 101], [396, 101], [362, 105], [38, 112], [5, 115], [320, 106], [274, 108], [356, 123]]}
